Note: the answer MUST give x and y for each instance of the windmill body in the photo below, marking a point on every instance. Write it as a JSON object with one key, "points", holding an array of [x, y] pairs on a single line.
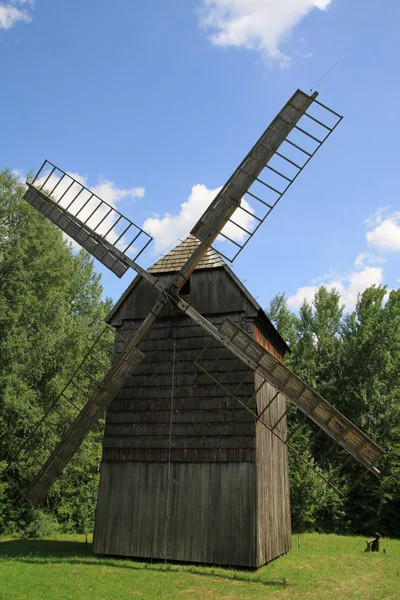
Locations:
{"points": [[195, 451], [186, 473]]}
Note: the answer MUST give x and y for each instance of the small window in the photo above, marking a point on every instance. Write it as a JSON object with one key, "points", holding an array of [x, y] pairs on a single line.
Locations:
{"points": [[185, 289]]}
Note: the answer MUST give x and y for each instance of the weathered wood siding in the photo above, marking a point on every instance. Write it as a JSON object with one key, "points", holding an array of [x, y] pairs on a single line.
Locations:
{"points": [[186, 472], [206, 424], [212, 291], [273, 493], [197, 512]]}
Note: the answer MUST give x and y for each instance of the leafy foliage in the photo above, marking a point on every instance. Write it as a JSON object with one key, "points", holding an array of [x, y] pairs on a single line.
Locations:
{"points": [[354, 361], [51, 310]]}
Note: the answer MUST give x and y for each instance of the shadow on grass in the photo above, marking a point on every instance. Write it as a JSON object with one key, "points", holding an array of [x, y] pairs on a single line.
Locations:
{"points": [[43, 548], [67, 552]]}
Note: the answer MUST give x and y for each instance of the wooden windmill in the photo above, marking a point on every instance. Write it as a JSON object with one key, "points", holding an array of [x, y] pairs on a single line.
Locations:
{"points": [[195, 450]]}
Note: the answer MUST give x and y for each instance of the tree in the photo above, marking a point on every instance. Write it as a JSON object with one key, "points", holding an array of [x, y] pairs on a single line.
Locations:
{"points": [[370, 395], [354, 361], [51, 310]]}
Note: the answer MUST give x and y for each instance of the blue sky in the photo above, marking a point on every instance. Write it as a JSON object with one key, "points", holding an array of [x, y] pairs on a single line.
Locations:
{"points": [[155, 104]]}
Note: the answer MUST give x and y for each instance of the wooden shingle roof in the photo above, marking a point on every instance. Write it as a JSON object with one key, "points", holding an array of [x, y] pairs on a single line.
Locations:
{"points": [[176, 258]]}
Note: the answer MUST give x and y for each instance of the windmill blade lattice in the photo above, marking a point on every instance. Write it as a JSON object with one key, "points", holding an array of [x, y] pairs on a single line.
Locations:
{"points": [[266, 174], [73, 415], [58, 417], [303, 397], [97, 226]]}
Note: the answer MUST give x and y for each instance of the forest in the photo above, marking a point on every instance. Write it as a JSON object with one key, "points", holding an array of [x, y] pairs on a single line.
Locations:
{"points": [[52, 309]]}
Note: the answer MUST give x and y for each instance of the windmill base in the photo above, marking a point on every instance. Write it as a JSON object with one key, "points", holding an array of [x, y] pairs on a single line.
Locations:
{"points": [[203, 513]]}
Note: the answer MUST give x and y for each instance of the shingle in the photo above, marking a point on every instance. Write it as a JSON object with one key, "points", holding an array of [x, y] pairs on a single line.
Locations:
{"points": [[174, 260]]}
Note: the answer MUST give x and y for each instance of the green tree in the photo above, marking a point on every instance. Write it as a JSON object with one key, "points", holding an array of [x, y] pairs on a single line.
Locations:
{"points": [[369, 392], [51, 310]]}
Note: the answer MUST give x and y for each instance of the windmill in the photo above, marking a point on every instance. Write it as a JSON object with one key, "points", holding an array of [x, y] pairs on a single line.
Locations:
{"points": [[191, 509]]}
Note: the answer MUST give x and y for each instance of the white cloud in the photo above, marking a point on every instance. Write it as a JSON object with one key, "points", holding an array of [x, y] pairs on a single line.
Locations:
{"points": [[377, 216], [306, 292], [19, 173], [255, 24], [168, 229], [359, 281], [10, 14], [385, 237], [368, 258], [349, 285], [360, 259]]}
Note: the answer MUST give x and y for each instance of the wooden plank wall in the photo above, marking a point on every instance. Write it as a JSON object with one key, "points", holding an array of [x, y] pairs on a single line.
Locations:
{"points": [[206, 423], [273, 494], [197, 512], [212, 291], [211, 489]]}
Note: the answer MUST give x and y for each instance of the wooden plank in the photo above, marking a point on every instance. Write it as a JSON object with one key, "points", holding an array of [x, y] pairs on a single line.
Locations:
{"points": [[135, 519], [135, 405], [193, 455], [181, 415], [152, 440], [185, 391], [273, 493]]}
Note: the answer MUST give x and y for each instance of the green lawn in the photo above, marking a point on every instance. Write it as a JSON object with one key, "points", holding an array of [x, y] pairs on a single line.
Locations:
{"points": [[327, 567]]}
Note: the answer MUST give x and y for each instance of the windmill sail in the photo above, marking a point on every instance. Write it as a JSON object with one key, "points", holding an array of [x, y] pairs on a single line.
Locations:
{"points": [[246, 199], [345, 433], [97, 226], [307, 400], [103, 394]]}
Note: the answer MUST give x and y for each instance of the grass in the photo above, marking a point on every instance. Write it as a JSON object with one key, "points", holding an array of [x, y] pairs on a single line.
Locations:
{"points": [[327, 567]]}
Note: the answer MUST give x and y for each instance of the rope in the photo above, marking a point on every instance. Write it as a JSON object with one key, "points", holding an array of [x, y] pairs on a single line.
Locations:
{"points": [[319, 80], [168, 517]]}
